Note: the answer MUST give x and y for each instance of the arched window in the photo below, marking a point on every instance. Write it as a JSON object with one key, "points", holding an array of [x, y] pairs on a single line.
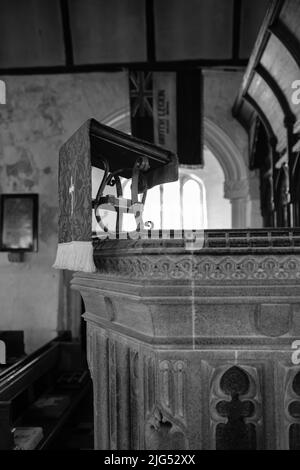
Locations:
{"points": [[223, 165], [195, 201], [152, 209], [177, 205], [194, 193]]}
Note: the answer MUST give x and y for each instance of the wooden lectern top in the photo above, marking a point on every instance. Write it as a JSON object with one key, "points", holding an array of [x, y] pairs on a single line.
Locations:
{"points": [[122, 151]]}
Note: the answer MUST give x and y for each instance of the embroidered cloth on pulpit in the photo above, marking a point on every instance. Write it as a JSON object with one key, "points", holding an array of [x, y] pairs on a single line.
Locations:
{"points": [[75, 250], [93, 144]]}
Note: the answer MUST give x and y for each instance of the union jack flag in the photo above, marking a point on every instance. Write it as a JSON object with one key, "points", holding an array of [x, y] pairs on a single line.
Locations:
{"points": [[141, 94]]}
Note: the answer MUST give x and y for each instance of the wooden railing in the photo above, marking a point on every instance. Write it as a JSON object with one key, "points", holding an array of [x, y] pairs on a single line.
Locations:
{"points": [[36, 375]]}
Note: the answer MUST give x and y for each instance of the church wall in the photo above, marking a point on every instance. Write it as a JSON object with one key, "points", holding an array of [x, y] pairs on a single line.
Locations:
{"points": [[40, 114], [220, 90]]}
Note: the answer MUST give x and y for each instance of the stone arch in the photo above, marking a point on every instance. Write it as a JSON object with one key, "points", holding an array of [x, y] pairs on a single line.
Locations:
{"points": [[226, 152], [119, 119], [236, 184]]}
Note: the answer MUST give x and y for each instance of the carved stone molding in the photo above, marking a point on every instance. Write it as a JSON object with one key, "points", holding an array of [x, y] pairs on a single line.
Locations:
{"points": [[135, 394], [238, 189], [90, 349], [202, 268], [172, 391], [97, 347]]}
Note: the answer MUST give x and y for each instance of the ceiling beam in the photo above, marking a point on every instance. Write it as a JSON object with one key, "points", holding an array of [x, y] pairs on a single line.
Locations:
{"points": [[290, 118], [67, 33], [236, 31], [116, 67], [291, 44], [150, 31], [272, 137], [263, 36]]}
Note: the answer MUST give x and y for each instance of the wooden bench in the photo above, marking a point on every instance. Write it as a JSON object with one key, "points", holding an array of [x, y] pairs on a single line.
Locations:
{"points": [[50, 371]]}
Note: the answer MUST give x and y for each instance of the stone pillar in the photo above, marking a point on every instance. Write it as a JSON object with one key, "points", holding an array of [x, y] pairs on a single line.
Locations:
{"points": [[237, 191], [239, 212], [255, 210], [194, 350]]}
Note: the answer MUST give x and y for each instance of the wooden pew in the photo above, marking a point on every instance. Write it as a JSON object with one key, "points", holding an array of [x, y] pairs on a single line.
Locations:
{"points": [[58, 368]]}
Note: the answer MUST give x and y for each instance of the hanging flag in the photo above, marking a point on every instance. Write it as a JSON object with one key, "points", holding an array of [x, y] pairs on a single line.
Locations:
{"points": [[166, 108], [190, 117], [141, 105]]}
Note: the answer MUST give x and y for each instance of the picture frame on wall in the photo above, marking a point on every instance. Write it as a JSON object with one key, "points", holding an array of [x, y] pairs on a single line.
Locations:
{"points": [[19, 222]]}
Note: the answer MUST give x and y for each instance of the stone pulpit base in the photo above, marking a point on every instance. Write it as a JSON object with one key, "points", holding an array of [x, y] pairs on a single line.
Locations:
{"points": [[194, 350]]}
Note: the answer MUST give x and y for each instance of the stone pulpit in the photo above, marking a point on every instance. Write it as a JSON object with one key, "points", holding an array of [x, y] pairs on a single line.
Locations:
{"points": [[195, 350], [193, 338]]}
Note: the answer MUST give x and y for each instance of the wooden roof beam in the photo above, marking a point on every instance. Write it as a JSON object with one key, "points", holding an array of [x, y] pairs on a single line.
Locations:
{"points": [[271, 135], [287, 39], [290, 118]]}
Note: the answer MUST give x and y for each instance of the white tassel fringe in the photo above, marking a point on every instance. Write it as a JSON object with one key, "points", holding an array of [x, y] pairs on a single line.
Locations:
{"points": [[75, 256]]}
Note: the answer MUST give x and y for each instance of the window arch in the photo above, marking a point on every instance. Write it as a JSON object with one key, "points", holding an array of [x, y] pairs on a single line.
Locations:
{"points": [[195, 201], [193, 192], [232, 163], [177, 205]]}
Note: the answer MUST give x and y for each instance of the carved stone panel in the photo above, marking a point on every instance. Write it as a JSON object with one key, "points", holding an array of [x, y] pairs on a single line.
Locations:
{"points": [[112, 395], [149, 383], [172, 383], [290, 432], [161, 433], [123, 392], [235, 408], [294, 412], [273, 319], [135, 394], [97, 354]]}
